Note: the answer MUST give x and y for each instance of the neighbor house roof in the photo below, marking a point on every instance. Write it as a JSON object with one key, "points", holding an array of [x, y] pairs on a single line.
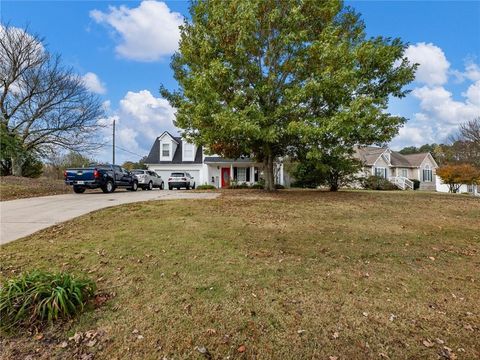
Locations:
{"points": [[154, 155], [369, 155]]}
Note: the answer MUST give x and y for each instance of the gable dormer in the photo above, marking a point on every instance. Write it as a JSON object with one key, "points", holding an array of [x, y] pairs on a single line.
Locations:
{"points": [[188, 151], [168, 146], [387, 157]]}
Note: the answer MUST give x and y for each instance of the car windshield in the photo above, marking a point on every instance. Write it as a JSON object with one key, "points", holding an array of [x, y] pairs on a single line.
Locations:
{"points": [[137, 172], [178, 175]]}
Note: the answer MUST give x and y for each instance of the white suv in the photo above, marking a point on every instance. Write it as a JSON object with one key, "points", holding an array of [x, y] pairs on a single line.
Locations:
{"points": [[148, 179], [181, 180]]}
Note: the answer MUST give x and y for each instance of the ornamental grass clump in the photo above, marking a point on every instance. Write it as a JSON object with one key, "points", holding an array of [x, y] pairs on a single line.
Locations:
{"points": [[38, 297]]}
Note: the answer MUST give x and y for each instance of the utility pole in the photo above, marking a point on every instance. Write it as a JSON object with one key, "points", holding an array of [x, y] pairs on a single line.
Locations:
{"points": [[113, 147]]}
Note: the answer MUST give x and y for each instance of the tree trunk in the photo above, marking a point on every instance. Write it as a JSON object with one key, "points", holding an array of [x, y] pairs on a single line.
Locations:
{"points": [[268, 171], [17, 165]]}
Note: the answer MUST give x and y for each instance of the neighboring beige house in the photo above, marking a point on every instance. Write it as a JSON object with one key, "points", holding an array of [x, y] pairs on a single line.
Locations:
{"points": [[397, 168]]}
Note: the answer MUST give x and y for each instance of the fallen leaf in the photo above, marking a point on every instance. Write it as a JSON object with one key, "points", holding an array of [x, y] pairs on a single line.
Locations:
{"points": [[431, 258], [201, 349], [211, 331], [241, 348], [139, 337], [77, 338], [428, 343], [335, 335], [63, 345], [135, 331], [300, 331], [333, 358], [39, 337], [392, 317], [365, 313], [91, 343]]}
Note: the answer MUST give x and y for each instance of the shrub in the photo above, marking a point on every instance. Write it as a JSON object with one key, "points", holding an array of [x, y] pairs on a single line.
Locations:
{"points": [[279, 187], [206, 187], [236, 185], [257, 186], [378, 183], [416, 184], [38, 297]]}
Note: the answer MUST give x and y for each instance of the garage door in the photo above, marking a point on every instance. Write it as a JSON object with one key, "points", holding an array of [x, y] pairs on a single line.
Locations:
{"points": [[165, 174]]}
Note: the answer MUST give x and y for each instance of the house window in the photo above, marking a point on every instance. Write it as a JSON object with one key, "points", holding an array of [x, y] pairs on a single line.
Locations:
{"points": [[188, 152], [404, 173], [381, 172], [427, 174], [165, 150], [241, 174]]}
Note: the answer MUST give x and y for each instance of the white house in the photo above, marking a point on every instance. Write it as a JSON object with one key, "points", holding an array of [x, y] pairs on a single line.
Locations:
{"points": [[398, 168], [172, 153], [463, 189]]}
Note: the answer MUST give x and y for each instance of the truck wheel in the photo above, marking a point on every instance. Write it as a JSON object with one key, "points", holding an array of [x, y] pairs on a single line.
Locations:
{"points": [[108, 188], [78, 190], [161, 186], [134, 186], [170, 188], [193, 187], [150, 186], [188, 186]]}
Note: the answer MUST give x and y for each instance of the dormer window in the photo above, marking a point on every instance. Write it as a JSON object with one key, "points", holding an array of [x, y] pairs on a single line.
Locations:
{"points": [[188, 152], [166, 150]]}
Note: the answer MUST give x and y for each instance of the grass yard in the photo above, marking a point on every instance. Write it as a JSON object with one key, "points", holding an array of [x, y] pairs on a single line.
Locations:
{"points": [[290, 275], [13, 187]]}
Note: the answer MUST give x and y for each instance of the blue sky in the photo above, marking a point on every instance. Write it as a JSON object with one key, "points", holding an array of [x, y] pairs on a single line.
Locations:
{"points": [[123, 49]]}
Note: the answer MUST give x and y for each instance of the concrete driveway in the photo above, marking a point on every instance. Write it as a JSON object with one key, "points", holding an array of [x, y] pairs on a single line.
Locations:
{"points": [[23, 217]]}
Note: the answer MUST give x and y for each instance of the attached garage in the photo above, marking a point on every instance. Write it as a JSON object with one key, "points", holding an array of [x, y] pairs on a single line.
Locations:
{"points": [[165, 174]]}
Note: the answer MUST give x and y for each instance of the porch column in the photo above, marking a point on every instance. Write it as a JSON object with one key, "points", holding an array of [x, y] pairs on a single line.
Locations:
{"points": [[281, 174], [231, 173], [252, 174]]}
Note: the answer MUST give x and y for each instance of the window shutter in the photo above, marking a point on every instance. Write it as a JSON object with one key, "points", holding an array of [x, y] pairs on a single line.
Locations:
{"points": [[234, 173], [248, 174]]}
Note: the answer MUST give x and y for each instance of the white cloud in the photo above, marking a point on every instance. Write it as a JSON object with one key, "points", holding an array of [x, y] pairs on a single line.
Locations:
{"points": [[147, 33], [473, 94], [472, 72], [140, 118], [151, 114], [93, 83], [433, 65], [438, 104]]}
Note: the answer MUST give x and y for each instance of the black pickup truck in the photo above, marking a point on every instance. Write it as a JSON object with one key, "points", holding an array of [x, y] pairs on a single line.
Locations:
{"points": [[105, 177]]}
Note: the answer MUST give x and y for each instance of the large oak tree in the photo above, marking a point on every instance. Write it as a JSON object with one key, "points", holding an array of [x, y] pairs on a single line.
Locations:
{"points": [[261, 77]]}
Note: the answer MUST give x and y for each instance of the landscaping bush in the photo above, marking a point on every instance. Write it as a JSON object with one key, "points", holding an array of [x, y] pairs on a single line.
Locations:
{"points": [[279, 187], [378, 183], [257, 186], [236, 185], [206, 187], [416, 184], [39, 297]]}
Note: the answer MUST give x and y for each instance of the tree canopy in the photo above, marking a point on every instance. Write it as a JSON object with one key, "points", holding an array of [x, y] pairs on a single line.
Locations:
{"points": [[43, 104], [260, 77]]}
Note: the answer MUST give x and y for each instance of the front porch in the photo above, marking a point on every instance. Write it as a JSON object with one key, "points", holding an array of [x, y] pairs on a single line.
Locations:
{"points": [[224, 172]]}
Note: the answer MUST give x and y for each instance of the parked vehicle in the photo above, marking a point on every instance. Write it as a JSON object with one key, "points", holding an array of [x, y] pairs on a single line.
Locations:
{"points": [[105, 177], [181, 180], [148, 179]]}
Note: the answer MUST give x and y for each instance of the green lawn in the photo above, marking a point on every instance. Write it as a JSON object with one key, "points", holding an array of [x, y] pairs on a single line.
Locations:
{"points": [[289, 275]]}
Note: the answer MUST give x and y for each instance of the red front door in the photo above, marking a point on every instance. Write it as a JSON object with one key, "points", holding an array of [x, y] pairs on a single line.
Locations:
{"points": [[225, 177]]}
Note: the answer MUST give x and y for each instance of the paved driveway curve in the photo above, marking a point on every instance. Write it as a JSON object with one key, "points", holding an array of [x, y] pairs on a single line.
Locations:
{"points": [[23, 217]]}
